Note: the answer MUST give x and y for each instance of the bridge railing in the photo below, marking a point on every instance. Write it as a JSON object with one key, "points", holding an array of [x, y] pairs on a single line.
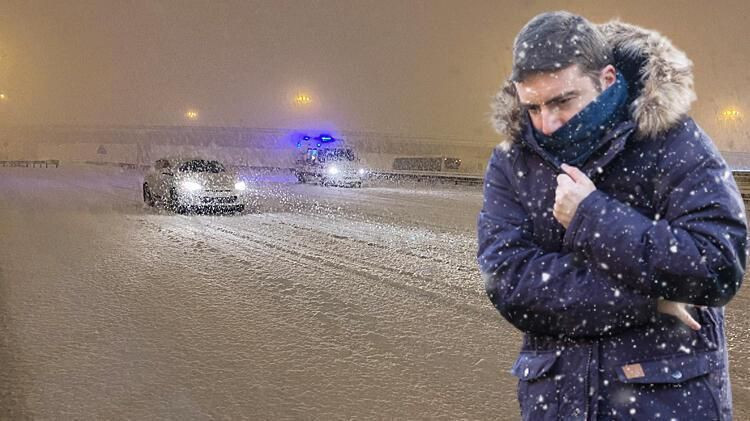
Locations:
{"points": [[31, 163], [742, 177], [743, 182]]}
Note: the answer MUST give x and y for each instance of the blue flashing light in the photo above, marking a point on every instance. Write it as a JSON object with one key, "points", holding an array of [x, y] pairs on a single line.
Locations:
{"points": [[306, 138], [326, 138], [318, 144]]}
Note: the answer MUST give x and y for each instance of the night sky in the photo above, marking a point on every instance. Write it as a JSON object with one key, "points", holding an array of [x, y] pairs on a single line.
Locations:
{"points": [[392, 66]]}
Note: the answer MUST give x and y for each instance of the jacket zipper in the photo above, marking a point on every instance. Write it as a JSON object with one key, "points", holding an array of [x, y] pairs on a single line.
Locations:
{"points": [[587, 385]]}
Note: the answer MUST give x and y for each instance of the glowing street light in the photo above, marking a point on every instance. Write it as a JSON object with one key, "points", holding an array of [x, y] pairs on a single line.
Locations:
{"points": [[730, 114], [3, 97], [302, 99], [191, 115]]}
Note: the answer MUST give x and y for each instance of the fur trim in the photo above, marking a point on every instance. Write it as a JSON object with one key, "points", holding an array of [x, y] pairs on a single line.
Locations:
{"points": [[664, 79]]}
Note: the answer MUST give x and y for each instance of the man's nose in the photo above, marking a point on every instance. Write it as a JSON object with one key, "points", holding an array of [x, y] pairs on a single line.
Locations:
{"points": [[550, 122]]}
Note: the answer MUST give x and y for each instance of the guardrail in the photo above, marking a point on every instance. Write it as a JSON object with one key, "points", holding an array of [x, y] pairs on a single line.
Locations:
{"points": [[743, 182], [126, 165], [31, 163], [457, 178], [742, 177]]}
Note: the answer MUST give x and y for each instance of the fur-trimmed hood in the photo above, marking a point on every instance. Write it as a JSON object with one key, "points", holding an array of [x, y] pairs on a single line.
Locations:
{"points": [[660, 73]]}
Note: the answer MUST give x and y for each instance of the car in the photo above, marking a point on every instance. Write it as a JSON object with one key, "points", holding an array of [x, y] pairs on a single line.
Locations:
{"points": [[329, 165], [192, 184]]}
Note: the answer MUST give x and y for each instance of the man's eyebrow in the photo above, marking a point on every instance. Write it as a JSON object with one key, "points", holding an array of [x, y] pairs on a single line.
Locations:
{"points": [[553, 100]]}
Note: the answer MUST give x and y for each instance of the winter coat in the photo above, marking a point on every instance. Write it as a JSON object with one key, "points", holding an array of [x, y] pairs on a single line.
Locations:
{"points": [[666, 220]]}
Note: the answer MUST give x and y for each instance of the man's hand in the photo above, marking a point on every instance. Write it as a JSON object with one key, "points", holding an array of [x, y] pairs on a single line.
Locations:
{"points": [[679, 310], [572, 188]]}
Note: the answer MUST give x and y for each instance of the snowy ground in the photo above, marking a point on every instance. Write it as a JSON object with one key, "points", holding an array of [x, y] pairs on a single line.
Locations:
{"points": [[320, 303]]}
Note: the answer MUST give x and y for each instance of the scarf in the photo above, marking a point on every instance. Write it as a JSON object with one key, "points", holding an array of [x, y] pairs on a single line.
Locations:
{"points": [[581, 136]]}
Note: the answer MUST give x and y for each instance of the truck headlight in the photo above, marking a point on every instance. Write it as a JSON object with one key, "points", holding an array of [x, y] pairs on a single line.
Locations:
{"points": [[240, 185], [191, 186], [333, 170]]}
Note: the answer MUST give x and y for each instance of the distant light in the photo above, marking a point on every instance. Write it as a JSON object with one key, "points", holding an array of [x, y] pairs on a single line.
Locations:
{"points": [[333, 170], [730, 114], [326, 138], [302, 99], [306, 138], [191, 115], [3, 97], [240, 185]]}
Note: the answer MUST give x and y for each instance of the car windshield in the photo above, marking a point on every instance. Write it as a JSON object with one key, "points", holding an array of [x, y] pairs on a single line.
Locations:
{"points": [[336, 155], [200, 165]]}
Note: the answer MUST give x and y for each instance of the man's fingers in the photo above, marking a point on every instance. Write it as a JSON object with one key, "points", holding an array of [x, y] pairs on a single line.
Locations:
{"points": [[686, 318], [574, 173], [678, 310], [562, 179]]}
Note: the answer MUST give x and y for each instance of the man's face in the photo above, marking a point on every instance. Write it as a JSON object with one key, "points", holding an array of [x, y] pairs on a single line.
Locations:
{"points": [[552, 99]]}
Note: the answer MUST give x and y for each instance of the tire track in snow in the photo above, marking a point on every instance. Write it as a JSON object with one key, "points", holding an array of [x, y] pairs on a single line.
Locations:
{"points": [[273, 245]]}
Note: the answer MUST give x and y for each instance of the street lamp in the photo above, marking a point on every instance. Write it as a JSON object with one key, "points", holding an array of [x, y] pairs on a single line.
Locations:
{"points": [[302, 99], [730, 114], [191, 115]]}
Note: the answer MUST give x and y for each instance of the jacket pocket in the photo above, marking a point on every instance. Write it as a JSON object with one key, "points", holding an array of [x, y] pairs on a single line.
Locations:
{"points": [[537, 387], [670, 369], [711, 332], [675, 386]]}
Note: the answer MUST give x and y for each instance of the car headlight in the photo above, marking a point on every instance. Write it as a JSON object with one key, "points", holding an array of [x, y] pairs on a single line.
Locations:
{"points": [[240, 185], [191, 186], [333, 170], [361, 171]]}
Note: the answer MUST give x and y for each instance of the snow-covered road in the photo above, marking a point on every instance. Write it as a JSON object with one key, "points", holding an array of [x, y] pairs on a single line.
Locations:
{"points": [[320, 303]]}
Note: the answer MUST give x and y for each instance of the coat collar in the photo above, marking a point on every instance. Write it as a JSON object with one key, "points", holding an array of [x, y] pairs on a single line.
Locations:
{"points": [[613, 143]]}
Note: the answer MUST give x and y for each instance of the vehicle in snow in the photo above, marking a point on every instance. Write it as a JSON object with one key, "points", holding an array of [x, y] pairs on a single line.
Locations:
{"points": [[328, 161], [190, 184]]}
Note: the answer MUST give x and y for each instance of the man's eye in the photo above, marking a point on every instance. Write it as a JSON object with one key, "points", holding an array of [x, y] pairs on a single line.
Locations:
{"points": [[533, 111]]}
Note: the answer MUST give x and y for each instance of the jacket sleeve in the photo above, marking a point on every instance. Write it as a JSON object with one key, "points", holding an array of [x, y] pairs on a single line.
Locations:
{"points": [[540, 292], [693, 250]]}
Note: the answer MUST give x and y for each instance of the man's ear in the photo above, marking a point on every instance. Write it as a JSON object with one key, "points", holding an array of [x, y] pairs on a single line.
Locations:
{"points": [[608, 76]]}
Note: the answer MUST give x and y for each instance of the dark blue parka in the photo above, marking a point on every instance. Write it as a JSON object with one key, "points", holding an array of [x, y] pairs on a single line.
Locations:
{"points": [[666, 221]]}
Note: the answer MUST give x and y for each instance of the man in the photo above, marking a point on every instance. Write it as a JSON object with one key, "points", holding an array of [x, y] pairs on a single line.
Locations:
{"points": [[612, 233]]}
